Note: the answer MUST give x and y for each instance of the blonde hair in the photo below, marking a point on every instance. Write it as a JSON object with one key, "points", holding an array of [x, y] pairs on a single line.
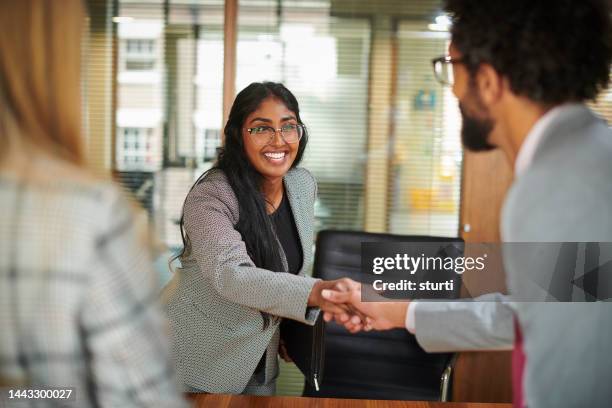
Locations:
{"points": [[40, 78]]}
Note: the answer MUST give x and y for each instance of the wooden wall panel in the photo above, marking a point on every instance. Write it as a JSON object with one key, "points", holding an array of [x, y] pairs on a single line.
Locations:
{"points": [[483, 376]]}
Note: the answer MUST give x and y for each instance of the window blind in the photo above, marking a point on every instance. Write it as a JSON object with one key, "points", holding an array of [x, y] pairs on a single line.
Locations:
{"points": [[427, 152]]}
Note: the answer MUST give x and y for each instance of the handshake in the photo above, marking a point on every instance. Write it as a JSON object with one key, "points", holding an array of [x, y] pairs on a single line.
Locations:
{"points": [[340, 301]]}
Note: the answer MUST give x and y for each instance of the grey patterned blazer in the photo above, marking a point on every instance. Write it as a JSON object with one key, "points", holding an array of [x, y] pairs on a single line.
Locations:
{"points": [[214, 300]]}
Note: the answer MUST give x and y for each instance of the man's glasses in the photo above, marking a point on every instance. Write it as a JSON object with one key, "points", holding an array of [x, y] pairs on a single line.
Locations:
{"points": [[443, 69], [290, 132]]}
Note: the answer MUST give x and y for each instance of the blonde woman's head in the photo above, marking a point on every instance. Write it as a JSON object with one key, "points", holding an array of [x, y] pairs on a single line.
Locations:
{"points": [[40, 81]]}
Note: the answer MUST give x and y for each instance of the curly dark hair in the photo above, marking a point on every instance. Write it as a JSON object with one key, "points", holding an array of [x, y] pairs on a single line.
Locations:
{"points": [[551, 51]]}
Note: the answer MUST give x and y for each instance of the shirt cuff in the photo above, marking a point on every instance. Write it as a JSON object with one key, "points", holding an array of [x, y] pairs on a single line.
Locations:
{"points": [[312, 314], [410, 316]]}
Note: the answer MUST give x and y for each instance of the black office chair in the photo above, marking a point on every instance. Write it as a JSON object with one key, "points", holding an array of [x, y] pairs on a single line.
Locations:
{"points": [[376, 365]]}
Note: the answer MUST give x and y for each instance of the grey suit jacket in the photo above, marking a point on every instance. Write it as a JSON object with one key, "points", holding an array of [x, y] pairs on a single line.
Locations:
{"points": [[214, 300], [565, 195]]}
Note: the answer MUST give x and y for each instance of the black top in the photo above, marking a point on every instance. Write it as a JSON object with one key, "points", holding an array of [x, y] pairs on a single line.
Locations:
{"points": [[287, 233]]}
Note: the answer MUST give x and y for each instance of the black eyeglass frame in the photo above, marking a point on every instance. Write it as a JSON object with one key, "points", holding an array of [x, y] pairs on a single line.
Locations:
{"points": [[445, 59]]}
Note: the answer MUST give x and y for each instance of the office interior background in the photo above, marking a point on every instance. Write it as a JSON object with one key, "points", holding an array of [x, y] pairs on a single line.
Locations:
{"points": [[384, 140]]}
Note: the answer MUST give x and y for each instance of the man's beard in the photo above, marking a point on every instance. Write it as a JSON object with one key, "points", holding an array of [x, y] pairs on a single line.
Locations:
{"points": [[474, 131]]}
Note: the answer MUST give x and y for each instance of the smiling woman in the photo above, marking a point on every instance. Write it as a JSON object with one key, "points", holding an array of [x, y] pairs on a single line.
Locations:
{"points": [[271, 144], [247, 230]]}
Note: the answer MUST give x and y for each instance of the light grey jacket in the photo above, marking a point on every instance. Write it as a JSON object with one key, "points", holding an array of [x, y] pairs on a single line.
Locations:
{"points": [[78, 294], [565, 195], [215, 299]]}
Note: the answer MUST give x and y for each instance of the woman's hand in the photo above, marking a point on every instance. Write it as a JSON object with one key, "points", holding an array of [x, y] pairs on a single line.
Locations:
{"points": [[282, 352], [342, 313]]}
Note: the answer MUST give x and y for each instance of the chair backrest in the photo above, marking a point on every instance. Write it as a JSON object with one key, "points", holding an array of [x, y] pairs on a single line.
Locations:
{"points": [[373, 365]]}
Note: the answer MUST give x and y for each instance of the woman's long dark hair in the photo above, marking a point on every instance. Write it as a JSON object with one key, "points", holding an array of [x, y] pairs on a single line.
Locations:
{"points": [[254, 223]]}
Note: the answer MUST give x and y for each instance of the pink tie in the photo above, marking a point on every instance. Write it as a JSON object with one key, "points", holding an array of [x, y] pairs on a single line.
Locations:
{"points": [[518, 367]]}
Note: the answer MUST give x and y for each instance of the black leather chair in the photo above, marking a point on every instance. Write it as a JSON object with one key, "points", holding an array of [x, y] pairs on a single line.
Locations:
{"points": [[375, 365]]}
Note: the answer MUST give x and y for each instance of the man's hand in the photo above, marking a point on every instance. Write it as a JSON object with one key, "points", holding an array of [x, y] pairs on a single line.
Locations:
{"points": [[381, 315]]}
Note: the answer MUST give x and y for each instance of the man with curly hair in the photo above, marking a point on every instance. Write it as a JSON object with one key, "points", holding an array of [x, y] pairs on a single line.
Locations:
{"points": [[522, 71]]}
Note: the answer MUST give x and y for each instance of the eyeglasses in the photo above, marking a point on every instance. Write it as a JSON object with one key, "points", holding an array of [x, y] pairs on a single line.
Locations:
{"points": [[443, 70], [290, 132]]}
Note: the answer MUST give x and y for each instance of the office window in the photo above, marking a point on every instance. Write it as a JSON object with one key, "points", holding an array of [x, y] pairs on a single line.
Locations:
{"points": [[427, 153], [136, 149], [169, 87], [138, 54], [139, 47], [207, 144]]}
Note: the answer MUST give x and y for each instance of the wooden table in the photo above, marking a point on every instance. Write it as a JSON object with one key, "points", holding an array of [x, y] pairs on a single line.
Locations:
{"points": [[247, 401]]}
